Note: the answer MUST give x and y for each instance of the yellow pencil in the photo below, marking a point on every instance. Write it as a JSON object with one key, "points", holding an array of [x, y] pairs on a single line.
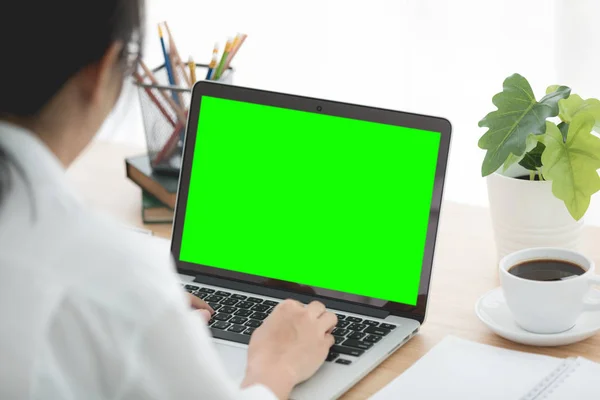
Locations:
{"points": [[213, 62], [192, 66]]}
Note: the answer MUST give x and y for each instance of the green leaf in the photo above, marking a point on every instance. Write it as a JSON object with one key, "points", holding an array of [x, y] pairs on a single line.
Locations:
{"points": [[564, 130], [531, 142], [532, 160], [569, 108], [572, 166], [552, 88], [519, 114]]}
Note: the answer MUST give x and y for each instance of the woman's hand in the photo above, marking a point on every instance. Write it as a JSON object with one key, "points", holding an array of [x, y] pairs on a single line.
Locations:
{"points": [[290, 346], [201, 306]]}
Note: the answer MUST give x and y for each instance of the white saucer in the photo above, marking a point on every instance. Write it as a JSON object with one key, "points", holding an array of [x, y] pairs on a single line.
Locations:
{"points": [[492, 310]]}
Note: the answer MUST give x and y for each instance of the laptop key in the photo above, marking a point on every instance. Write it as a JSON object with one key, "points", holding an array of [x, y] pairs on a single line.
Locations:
{"points": [[373, 338], [228, 310], [206, 290], [238, 320], [332, 356], [369, 322], [343, 324], [214, 298], [270, 303], [191, 288], [357, 327], [237, 329], [356, 335], [339, 339], [357, 344], [353, 319], [259, 315], [388, 326], [239, 297], [221, 316], [215, 306], [222, 293], [260, 307], [253, 323], [254, 300], [229, 336], [229, 301], [339, 332], [201, 295], [221, 325], [243, 313], [340, 316], [343, 361], [249, 331], [349, 351], [376, 330], [244, 304]]}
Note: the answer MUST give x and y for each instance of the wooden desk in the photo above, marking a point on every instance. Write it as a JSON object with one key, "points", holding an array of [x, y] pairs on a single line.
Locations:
{"points": [[465, 266]]}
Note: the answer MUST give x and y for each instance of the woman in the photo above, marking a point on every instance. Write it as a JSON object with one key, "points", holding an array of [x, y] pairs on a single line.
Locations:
{"points": [[87, 311]]}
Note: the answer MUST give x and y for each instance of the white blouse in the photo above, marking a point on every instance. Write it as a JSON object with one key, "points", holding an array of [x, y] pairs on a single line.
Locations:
{"points": [[89, 309]]}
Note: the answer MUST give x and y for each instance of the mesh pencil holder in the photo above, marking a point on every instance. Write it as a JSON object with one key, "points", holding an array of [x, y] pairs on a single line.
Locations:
{"points": [[164, 112]]}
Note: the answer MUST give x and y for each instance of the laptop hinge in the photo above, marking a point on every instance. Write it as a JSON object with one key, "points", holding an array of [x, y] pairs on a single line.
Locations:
{"points": [[284, 294]]}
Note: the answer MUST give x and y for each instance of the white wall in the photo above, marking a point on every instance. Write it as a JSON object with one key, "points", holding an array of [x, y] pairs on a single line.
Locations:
{"points": [[429, 56]]}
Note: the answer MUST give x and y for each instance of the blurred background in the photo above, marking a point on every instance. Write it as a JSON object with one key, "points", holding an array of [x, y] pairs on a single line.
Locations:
{"points": [[439, 57]]}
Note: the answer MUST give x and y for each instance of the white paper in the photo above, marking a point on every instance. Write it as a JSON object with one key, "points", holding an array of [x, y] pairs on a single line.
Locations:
{"points": [[582, 384], [463, 370]]}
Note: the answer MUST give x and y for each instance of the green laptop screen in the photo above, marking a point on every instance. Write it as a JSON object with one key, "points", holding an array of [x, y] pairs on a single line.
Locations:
{"points": [[318, 200]]}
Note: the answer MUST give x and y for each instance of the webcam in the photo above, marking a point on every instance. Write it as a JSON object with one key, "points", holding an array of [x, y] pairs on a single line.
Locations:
{"points": [[319, 108]]}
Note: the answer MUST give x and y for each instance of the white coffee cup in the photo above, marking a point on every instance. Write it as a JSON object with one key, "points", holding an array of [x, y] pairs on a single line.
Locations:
{"points": [[548, 306]]}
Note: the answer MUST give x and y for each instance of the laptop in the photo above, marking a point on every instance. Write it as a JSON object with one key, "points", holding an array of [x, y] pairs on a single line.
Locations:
{"points": [[283, 196]]}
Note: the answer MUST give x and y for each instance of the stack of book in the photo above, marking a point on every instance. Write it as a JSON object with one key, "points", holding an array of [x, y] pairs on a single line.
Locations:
{"points": [[158, 190]]}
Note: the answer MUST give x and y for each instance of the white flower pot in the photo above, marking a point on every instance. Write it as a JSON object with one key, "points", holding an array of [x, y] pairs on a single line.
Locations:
{"points": [[526, 214]]}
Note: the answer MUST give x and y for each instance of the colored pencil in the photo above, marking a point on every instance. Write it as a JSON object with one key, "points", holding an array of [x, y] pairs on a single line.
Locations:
{"points": [[178, 62], [236, 46], [152, 97], [192, 67], [181, 116], [213, 62], [170, 144], [168, 65], [226, 52]]}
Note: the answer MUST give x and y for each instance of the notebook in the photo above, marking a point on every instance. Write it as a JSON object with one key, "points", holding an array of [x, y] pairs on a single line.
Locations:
{"points": [[460, 369]]}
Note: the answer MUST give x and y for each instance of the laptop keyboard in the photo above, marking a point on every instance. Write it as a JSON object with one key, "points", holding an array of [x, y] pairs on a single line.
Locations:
{"points": [[237, 316]]}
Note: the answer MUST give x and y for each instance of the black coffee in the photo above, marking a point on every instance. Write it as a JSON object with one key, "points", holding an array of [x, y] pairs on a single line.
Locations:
{"points": [[546, 270]]}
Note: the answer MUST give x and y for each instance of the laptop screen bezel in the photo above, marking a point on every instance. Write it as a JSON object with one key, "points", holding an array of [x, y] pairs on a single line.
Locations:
{"points": [[327, 107]]}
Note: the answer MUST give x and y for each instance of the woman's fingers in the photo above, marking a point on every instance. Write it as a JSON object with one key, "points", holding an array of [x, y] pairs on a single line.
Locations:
{"points": [[199, 304], [315, 309], [328, 321]]}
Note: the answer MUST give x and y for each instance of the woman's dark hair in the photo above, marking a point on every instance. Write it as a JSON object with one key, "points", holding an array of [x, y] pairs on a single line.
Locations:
{"points": [[45, 43]]}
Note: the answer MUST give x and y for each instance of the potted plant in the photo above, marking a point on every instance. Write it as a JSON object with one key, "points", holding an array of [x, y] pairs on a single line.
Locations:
{"points": [[541, 165]]}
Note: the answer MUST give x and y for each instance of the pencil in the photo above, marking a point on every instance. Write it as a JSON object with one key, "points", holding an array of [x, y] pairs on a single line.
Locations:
{"points": [[178, 62], [178, 111], [192, 67], [226, 52], [213, 62], [170, 144], [167, 61], [236, 46], [160, 107]]}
